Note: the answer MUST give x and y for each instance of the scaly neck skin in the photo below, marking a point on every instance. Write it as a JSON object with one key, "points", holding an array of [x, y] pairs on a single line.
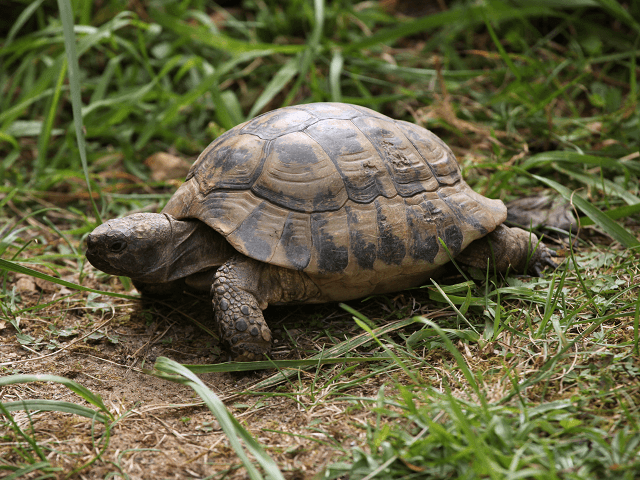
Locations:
{"points": [[193, 247]]}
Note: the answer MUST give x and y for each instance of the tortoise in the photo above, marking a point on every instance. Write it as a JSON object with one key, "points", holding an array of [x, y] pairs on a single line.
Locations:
{"points": [[311, 203]]}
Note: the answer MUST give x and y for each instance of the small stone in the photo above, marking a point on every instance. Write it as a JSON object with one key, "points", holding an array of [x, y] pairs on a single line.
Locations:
{"points": [[241, 325], [254, 332], [244, 309], [224, 305]]}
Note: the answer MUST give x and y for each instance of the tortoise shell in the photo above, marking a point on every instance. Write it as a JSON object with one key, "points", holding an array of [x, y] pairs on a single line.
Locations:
{"points": [[332, 188]]}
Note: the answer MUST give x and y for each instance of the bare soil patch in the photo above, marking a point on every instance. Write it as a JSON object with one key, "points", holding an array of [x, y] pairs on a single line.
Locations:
{"points": [[164, 430]]}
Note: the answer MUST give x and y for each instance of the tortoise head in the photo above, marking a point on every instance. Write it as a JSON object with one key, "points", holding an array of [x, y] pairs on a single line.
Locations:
{"points": [[135, 246]]}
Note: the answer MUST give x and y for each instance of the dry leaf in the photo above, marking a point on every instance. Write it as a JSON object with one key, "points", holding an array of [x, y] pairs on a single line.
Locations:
{"points": [[165, 166], [25, 283]]}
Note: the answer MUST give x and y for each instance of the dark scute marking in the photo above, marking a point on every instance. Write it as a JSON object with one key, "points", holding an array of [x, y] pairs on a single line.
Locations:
{"points": [[231, 157], [435, 213], [325, 200], [391, 249], [299, 255], [221, 139], [255, 246], [423, 246], [331, 258], [241, 325], [453, 239], [365, 252], [294, 152]]}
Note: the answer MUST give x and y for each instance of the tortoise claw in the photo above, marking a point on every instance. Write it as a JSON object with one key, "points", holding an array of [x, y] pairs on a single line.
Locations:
{"points": [[541, 258]]}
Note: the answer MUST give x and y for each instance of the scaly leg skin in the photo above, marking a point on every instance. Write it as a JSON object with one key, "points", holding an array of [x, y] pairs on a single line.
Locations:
{"points": [[542, 212], [508, 247], [241, 290], [238, 314]]}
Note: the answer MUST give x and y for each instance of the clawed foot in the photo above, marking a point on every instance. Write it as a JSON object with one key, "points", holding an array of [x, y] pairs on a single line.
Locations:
{"points": [[239, 317], [541, 258]]}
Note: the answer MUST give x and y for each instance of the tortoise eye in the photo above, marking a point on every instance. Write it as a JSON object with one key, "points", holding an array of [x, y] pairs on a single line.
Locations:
{"points": [[118, 246]]}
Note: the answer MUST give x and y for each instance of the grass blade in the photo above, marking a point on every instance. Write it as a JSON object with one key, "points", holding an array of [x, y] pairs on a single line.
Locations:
{"points": [[579, 159], [614, 213], [14, 267], [615, 9], [229, 424], [202, 34], [457, 16], [66, 14], [336, 351], [275, 86], [471, 379], [268, 364], [20, 21], [616, 232], [55, 406], [47, 127], [335, 71], [606, 186], [76, 388]]}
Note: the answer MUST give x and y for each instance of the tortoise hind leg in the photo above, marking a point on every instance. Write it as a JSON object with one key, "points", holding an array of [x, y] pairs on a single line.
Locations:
{"points": [[242, 288], [508, 248], [542, 212]]}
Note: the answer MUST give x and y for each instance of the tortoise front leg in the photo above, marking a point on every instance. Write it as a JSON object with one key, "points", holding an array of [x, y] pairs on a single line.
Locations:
{"points": [[242, 288]]}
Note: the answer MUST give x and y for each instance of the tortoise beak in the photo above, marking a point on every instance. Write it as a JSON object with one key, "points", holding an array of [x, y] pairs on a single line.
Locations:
{"points": [[92, 242], [95, 255]]}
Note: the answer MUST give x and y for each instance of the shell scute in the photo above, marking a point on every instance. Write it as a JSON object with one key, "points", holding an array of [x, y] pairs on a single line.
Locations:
{"points": [[222, 210], [362, 169], [407, 169], [260, 232], [329, 236], [392, 230], [294, 248], [363, 234], [299, 175], [423, 232], [435, 152], [429, 219], [271, 125], [232, 163]]}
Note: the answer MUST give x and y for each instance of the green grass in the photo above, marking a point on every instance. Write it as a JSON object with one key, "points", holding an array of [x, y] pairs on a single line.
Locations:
{"points": [[521, 378]]}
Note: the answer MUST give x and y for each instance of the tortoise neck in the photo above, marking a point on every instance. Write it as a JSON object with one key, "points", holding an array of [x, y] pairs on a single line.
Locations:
{"points": [[193, 247]]}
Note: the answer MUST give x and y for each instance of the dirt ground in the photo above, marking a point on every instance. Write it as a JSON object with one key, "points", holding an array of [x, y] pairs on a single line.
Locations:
{"points": [[163, 430]]}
